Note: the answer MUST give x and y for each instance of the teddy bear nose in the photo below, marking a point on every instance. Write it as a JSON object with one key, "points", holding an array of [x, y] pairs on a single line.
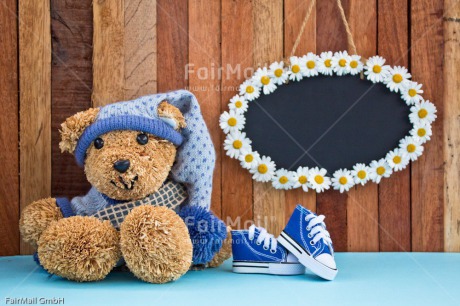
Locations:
{"points": [[121, 165]]}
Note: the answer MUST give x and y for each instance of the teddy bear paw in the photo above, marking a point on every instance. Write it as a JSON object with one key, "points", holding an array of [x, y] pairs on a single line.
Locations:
{"points": [[36, 218], [79, 248], [155, 244], [225, 252]]}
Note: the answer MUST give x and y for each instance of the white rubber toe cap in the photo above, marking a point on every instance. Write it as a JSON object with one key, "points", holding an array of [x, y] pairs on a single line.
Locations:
{"points": [[327, 260]]}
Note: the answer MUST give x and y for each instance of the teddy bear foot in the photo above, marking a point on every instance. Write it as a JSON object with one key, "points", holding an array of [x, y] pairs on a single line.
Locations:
{"points": [[79, 248], [155, 244], [225, 252], [198, 267]]}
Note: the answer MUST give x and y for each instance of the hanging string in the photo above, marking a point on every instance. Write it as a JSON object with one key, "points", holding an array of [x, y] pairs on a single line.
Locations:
{"points": [[302, 28], [351, 42]]}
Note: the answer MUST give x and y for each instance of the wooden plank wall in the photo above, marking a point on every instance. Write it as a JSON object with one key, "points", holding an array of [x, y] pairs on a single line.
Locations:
{"points": [[205, 30], [124, 50], [394, 205], [237, 49], [71, 55], [269, 203], [451, 126], [71, 85], [330, 36], [294, 14], [9, 122], [427, 179], [363, 202], [34, 102]]}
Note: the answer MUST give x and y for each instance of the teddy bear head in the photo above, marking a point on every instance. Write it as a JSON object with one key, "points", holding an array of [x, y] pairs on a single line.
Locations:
{"points": [[124, 161]]}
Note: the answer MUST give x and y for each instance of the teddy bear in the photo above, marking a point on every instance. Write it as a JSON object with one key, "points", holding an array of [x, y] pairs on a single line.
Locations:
{"points": [[150, 162]]}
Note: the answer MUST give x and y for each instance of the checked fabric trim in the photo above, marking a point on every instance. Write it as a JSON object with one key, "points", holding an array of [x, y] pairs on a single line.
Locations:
{"points": [[170, 195]]}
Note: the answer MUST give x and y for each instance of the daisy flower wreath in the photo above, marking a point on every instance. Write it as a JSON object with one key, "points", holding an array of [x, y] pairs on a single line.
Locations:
{"points": [[266, 80]]}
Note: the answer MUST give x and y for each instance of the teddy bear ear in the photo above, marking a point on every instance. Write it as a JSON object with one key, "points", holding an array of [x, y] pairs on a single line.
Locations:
{"points": [[171, 115], [73, 128]]}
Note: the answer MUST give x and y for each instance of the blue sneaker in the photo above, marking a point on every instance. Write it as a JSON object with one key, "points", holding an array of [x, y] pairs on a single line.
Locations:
{"points": [[256, 251], [306, 237]]}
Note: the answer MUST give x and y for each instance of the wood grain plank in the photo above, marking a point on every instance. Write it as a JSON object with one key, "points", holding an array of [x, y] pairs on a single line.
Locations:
{"points": [[362, 202], [294, 14], [204, 55], [394, 192], [172, 19], [140, 48], [394, 213], [428, 171], [269, 203], [108, 52], [9, 122], [330, 33], [237, 198], [451, 127], [331, 37], [35, 103], [71, 82], [124, 57]]}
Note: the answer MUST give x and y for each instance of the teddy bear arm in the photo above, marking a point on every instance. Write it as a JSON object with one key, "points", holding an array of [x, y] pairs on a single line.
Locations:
{"points": [[36, 217], [155, 244], [79, 248]]}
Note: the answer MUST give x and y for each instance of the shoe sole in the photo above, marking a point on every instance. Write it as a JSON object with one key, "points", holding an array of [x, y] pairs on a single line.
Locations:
{"points": [[304, 257], [248, 267]]}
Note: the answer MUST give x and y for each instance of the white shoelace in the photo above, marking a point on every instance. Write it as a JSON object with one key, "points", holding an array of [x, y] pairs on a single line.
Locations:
{"points": [[268, 239], [317, 232]]}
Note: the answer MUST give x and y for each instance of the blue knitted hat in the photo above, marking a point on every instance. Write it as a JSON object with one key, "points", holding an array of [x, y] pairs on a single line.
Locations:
{"points": [[195, 158]]}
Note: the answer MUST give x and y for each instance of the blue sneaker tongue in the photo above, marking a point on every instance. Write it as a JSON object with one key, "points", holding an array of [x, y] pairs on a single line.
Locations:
{"points": [[256, 232]]}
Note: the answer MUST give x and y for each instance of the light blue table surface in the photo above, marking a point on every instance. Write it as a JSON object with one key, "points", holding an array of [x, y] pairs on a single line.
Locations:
{"points": [[363, 279]]}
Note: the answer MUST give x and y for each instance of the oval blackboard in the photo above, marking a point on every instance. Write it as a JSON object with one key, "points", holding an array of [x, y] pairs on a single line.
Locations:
{"points": [[331, 122]]}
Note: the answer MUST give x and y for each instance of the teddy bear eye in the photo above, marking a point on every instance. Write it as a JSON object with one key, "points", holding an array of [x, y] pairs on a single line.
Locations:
{"points": [[98, 143], [142, 139]]}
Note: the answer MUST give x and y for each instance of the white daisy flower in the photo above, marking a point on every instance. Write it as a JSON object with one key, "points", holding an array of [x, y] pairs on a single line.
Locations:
{"points": [[235, 142], [379, 169], [423, 112], [263, 80], [397, 78], [342, 180], [340, 63], [355, 65], [421, 132], [325, 63], [249, 90], [411, 92], [376, 70], [318, 180], [248, 158], [296, 69], [301, 178], [231, 121], [263, 170], [360, 174], [412, 147], [310, 64], [397, 159], [238, 104], [277, 73], [283, 179]]}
